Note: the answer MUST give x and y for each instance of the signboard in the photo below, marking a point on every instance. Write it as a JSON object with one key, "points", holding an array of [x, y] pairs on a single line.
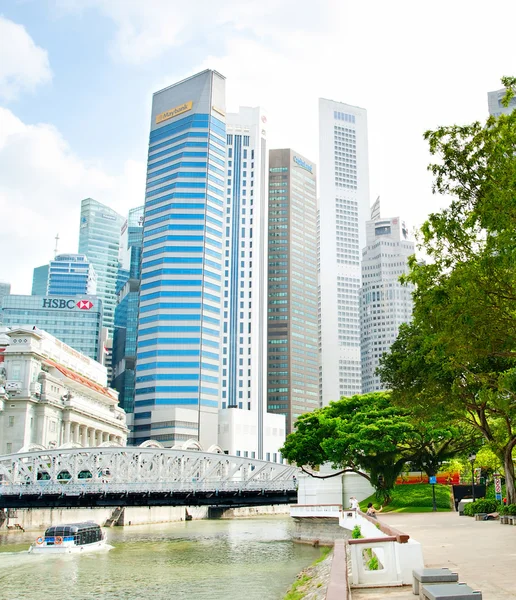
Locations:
{"points": [[498, 485], [174, 112], [432, 480], [69, 304], [303, 164]]}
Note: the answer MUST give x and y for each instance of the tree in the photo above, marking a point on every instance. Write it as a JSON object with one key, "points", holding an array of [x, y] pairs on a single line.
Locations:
{"points": [[458, 357], [368, 435]]}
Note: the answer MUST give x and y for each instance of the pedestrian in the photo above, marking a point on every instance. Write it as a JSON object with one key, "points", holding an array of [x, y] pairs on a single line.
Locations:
{"points": [[354, 503], [371, 510]]}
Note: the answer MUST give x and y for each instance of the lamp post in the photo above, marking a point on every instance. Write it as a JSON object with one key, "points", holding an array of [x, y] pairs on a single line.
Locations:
{"points": [[472, 458]]}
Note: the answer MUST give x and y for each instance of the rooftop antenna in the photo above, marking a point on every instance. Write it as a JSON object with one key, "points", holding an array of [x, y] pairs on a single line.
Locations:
{"points": [[57, 241]]}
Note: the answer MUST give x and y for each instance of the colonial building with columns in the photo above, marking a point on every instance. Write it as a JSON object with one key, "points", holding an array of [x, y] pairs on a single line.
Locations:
{"points": [[51, 395]]}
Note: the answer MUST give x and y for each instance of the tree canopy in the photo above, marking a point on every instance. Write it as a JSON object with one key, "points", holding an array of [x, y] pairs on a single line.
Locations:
{"points": [[458, 357], [368, 435]]}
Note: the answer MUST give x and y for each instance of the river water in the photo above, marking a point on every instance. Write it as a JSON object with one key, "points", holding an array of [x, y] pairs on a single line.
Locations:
{"points": [[246, 559]]}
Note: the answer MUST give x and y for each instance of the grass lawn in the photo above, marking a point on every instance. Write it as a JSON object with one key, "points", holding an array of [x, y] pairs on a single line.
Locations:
{"points": [[415, 497]]}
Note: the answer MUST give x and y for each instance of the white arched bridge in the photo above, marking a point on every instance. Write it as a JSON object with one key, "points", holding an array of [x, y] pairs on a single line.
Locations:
{"points": [[140, 476]]}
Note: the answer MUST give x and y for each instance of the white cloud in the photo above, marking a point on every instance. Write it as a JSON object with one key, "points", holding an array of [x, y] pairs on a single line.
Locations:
{"points": [[41, 185], [23, 65]]}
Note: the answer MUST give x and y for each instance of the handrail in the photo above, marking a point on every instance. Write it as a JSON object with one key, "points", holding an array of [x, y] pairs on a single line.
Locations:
{"points": [[373, 540], [401, 538], [338, 586]]}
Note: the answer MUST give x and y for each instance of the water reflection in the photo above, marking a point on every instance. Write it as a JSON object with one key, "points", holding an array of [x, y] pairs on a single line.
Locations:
{"points": [[253, 559]]}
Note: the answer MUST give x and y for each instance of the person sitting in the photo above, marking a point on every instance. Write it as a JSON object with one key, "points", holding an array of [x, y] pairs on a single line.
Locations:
{"points": [[371, 510], [491, 516]]}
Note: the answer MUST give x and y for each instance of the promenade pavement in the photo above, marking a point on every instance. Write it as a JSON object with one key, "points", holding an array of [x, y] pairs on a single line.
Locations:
{"points": [[482, 552]]}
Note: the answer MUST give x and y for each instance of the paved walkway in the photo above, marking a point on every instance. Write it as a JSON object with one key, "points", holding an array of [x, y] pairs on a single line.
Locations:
{"points": [[482, 552]]}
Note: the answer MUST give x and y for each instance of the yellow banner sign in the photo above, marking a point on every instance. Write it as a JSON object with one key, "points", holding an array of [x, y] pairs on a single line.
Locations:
{"points": [[174, 112]]}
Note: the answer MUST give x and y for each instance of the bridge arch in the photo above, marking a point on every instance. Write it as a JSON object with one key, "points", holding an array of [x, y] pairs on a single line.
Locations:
{"points": [[190, 444], [214, 449], [32, 448], [109, 445], [151, 444], [70, 445]]}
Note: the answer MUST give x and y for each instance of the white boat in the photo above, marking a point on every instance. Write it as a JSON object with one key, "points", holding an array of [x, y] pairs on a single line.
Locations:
{"points": [[69, 539]]}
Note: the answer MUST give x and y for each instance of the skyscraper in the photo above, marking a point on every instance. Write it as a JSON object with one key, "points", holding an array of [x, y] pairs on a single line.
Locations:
{"points": [[494, 101], [244, 281], [343, 211], [384, 304], [126, 312], [99, 240], [40, 280], [179, 329], [71, 274], [293, 351]]}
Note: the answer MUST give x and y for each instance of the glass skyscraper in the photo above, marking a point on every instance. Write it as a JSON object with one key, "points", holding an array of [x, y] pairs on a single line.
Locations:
{"points": [[179, 330], [293, 328], [71, 274], [126, 312], [40, 281], [99, 240]]}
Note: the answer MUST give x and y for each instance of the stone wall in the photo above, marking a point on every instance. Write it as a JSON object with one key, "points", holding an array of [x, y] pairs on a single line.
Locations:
{"points": [[312, 530]]}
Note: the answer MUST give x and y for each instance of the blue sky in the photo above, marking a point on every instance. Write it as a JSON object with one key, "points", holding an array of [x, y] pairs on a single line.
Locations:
{"points": [[77, 76]]}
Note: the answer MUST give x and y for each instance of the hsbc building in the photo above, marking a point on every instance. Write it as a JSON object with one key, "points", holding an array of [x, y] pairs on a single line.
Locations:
{"points": [[75, 320]]}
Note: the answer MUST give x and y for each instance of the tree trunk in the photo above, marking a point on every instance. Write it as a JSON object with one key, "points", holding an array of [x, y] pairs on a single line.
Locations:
{"points": [[509, 472]]}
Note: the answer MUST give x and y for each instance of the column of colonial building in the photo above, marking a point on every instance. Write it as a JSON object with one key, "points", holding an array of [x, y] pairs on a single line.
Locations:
{"points": [[86, 436]]}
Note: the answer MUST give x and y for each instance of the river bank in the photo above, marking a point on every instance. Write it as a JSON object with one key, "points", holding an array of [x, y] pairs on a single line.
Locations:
{"points": [[39, 518], [312, 582]]}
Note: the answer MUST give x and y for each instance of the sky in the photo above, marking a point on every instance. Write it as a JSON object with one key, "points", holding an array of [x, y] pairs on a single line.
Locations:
{"points": [[77, 77]]}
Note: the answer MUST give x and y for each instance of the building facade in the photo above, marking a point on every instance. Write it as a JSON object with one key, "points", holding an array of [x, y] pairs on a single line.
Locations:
{"points": [[292, 331], [51, 395], [244, 376], [71, 275], [343, 211], [99, 240], [494, 101], [75, 320], [179, 330], [126, 312], [40, 281], [384, 302]]}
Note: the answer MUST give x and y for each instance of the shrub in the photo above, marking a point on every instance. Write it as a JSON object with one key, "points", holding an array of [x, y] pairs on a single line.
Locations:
{"points": [[373, 565], [508, 510], [356, 533], [480, 506]]}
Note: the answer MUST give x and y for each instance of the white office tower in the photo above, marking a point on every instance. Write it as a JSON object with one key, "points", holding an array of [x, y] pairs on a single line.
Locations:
{"points": [[245, 428], [343, 211], [494, 101], [384, 303]]}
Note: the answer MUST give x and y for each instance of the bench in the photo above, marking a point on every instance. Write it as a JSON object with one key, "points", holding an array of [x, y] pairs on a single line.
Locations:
{"points": [[431, 576], [508, 519], [480, 516], [449, 591]]}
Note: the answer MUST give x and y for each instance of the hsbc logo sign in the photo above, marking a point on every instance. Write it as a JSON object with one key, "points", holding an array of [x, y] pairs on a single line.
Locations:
{"points": [[68, 304]]}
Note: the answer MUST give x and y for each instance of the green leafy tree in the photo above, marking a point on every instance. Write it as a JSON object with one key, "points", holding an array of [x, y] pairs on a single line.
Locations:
{"points": [[370, 436], [458, 357]]}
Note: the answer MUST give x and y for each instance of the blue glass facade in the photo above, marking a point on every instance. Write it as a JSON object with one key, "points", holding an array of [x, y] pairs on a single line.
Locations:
{"points": [[40, 281], [99, 240], [71, 274], [126, 314], [75, 320], [178, 352]]}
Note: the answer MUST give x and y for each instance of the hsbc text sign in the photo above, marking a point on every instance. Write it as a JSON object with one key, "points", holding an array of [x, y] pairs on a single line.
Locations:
{"points": [[67, 304]]}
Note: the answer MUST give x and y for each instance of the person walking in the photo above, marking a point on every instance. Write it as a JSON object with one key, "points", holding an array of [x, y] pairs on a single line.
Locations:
{"points": [[354, 503]]}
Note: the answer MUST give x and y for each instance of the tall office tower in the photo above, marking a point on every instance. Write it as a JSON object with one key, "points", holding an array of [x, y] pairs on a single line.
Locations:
{"points": [[384, 303], [71, 274], [179, 329], [292, 339], [40, 280], [343, 211], [494, 101], [244, 284], [126, 312], [99, 240]]}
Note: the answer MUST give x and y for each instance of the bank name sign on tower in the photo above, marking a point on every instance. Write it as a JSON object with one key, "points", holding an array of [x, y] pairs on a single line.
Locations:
{"points": [[174, 112]]}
